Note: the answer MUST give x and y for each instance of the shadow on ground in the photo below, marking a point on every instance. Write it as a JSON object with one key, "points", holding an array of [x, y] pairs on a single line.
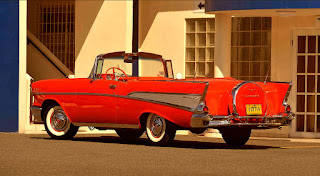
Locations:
{"points": [[174, 144]]}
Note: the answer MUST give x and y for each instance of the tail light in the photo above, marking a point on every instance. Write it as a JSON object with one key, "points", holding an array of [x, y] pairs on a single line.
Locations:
{"points": [[288, 108], [202, 108]]}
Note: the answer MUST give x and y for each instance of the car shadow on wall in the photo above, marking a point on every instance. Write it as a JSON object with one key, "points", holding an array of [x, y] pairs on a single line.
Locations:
{"points": [[179, 142]]}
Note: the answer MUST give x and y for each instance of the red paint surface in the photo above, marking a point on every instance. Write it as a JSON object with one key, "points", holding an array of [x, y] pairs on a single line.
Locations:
{"points": [[110, 109]]}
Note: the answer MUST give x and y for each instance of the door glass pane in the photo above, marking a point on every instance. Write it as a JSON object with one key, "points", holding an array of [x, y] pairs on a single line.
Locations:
{"points": [[300, 123], [311, 64], [311, 44], [301, 83], [310, 123], [301, 64], [311, 83], [301, 44], [318, 123], [310, 103], [300, 103]]}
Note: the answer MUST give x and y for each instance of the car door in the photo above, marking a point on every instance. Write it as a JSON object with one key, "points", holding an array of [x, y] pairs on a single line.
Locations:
{"points": [[96, 101]]}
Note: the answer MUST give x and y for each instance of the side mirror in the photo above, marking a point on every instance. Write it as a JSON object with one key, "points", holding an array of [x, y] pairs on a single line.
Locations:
{"points": [[179, 76]]}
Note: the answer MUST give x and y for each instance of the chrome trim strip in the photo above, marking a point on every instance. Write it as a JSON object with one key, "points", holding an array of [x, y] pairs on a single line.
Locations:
{"points": [[164, 93], [209, 121], [119, 96], [108, 125], [185, 100], [285, 99]]}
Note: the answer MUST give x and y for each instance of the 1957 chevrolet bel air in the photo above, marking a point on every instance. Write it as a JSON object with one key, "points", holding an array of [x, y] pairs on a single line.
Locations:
{"points": [[153, 101]]}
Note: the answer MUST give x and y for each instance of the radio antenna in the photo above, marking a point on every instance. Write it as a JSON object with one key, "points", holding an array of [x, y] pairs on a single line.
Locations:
{"points": [[195, 73], [265, 79]]}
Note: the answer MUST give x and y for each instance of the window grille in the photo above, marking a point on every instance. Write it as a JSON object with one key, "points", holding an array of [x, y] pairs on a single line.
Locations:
{"points": [[200, 42], [251, 48], [55, 29]]}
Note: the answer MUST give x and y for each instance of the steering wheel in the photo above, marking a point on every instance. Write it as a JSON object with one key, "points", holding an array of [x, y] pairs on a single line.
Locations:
{"points": [[113, 76]]}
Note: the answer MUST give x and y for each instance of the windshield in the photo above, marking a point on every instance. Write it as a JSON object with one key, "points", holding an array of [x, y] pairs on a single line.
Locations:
{"points": [[148, 67]]}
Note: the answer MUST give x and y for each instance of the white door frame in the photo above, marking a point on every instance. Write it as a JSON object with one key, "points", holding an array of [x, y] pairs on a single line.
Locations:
{"points": [[295, 33]]}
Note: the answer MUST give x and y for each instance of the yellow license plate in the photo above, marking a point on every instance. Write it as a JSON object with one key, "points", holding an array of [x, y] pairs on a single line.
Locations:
{"points": [[253, 109]]}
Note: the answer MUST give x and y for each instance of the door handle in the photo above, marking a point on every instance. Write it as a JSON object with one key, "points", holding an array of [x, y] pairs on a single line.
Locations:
{"points": [[112, 86]]}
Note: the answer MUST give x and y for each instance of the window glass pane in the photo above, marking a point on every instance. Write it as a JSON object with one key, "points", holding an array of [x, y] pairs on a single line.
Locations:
{"points": [[255, 54], [234, 69], [244, 54], [244, 38], [191, 26], [200, 42], [201, 54], [201, 25], [266, 23], [210, 54], [255, 68], [243, 68], [190, 55], [256, 23], [234, 53], [244, 24], [201, 39], [255, 38], [190, 68]]}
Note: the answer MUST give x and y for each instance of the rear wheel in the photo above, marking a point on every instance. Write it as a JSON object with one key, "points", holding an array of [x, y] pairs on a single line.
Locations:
{"points": [[58, 125], [235, 136], [129, 134], [159, 130]]}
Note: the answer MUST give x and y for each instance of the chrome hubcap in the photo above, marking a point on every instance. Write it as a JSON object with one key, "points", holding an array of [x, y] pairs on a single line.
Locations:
{"points": [[59, 120], [157, 126]]}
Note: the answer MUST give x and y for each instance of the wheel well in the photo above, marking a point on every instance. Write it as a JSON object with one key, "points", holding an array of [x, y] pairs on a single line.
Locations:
{"points": [[45, 105], [143, 120]]}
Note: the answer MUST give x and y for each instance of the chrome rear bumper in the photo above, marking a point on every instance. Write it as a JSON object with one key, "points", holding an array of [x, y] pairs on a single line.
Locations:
{"points": [[210, 121]]}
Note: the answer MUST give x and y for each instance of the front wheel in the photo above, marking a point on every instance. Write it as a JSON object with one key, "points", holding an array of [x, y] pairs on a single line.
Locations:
{"points": [[159, 130], [58, 125], [235, 136]]}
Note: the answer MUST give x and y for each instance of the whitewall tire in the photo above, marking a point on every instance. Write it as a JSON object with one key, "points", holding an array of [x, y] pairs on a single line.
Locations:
{"points": [[159, 130], [58, 125]]}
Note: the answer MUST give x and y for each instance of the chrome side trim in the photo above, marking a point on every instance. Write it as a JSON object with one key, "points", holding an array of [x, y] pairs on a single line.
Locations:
{"points": [[36, 113], [120, 96], [285, 99], [182, 100], [108, 125]]}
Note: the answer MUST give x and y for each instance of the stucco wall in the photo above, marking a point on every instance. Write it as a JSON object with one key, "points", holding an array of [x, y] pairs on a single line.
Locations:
{"points": [[100, 27], [162, 29]]}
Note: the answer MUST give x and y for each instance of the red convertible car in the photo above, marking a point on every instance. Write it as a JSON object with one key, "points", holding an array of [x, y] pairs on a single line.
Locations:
{"points": [[153, 101]]}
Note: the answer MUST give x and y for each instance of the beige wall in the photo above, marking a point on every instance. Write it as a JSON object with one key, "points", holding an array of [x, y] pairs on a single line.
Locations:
{"points": [[162, 29], [38, 67], [100, 27]]}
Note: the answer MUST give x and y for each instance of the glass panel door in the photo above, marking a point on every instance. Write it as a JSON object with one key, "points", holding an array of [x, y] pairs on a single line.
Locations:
{"points": [[308, 83]]}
